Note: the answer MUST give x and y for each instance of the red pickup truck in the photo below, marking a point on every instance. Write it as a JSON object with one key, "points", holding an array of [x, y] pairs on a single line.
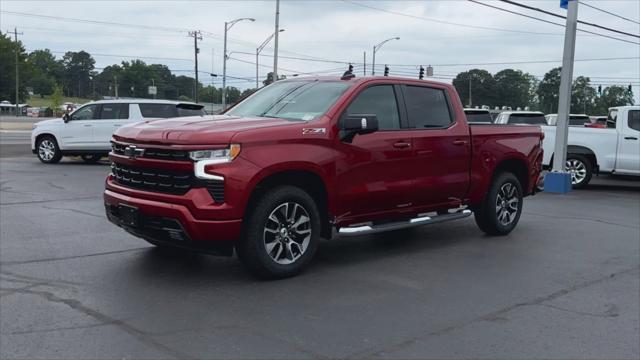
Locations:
{"points": [[312, 158]]}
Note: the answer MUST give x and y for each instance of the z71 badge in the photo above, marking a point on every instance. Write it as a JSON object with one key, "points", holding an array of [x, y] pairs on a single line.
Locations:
{"points": [[312, 131]]}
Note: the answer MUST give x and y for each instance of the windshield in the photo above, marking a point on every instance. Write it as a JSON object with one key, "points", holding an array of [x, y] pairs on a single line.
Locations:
{"points": [[291, 100], [531, 119], [478, 117]]}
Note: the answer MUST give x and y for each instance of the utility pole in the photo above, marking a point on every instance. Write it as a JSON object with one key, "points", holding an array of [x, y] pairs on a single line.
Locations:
{"points": [[115, 86], [197, 35], [259, 49], [559, 180], [275, 43], [470, 90], [376, 48], [15, 37], [364, 63]]}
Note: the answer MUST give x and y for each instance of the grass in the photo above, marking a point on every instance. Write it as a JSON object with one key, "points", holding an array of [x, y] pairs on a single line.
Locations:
{"points": [[37, 101]]}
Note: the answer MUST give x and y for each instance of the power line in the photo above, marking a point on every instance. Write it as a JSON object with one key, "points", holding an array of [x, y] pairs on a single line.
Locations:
{"points": [[122, 56], [550, 22], [564, 17], [444, 22], [610, 13]]}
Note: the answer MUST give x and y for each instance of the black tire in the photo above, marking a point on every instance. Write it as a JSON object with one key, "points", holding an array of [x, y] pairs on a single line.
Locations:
{"points": [[490, 214], [91, 158], [581, 170], [47, 150], [260, 233]]}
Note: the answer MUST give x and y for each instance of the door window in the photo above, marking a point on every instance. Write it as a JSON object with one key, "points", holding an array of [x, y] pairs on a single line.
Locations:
{"points": [[88, 112], [427, 107], [381, 101], [114, 111], [634, 119]]}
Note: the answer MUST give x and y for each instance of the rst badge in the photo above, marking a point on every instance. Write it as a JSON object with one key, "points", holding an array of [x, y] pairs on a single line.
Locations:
{"points": [[313, 131]]}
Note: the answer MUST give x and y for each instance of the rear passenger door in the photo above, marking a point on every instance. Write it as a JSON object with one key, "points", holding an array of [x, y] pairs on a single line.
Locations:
{"points": [[628, 160], [441, 147], [111, 116]]}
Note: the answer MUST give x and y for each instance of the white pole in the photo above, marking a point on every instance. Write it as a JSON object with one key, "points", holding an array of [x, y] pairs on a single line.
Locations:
{"points": [[275, 45], [224, 70], [564, 103]]}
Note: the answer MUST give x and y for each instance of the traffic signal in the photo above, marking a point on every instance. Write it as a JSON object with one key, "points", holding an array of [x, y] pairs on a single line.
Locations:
{"points": [[386, 70], [421, 75], [630, 90], [600, 89]]}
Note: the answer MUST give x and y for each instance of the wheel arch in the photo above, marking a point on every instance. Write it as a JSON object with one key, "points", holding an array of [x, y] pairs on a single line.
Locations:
{"points": [[41, 135], [516, 166], [580, 150], [303, 178]]}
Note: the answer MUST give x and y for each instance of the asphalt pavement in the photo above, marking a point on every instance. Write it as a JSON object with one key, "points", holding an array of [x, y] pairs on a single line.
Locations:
{"points": [[564, 285]]}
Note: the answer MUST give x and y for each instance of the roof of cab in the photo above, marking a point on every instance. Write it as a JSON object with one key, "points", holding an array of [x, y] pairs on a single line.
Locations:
{"points": [[138, 101]]}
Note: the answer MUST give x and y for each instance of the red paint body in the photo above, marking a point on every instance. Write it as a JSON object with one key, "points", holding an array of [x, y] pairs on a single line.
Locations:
{"points": [[370, 179]]}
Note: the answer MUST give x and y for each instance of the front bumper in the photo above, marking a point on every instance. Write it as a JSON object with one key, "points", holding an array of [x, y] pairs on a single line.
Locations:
{"points": [[171, 223]]}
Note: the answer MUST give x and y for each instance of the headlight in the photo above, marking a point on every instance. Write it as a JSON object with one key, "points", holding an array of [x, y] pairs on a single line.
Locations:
{"points": [[217, 156], [203, 158]]}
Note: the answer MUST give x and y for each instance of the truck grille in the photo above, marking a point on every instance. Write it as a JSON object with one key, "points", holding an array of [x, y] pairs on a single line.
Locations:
{"points": [[171, 182], [163, 181], [151, 153]]}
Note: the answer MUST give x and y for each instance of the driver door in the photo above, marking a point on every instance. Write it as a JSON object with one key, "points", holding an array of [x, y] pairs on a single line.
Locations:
{"points": [[77, 133]]}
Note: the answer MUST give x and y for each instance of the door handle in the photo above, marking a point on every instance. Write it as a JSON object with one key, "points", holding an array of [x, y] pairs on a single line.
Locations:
{"points": [[631, 138], [401, 145], [87, 125], [116, 125], [460, 142]]}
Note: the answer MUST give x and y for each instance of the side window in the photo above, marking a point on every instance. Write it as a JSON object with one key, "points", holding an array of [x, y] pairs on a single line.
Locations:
{"points": [[427, 107], [381, 101], [158, 110], [634, 119], [88, 112], [114, 111]]}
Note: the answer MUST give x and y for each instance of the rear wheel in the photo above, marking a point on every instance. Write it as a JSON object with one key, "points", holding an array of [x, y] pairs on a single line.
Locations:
{"points": [[90, 158], [48, 150], [281, 234], [580, 169], [500, 211]]}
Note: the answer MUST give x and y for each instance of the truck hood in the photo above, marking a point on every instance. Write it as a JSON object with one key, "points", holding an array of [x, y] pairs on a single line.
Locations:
{"points": [[196, 130]]}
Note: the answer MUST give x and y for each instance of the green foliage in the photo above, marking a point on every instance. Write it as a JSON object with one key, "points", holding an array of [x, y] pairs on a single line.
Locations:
{"points": [[583, 96], [483, 87], [548, 91], [233, 95], [8, 50], [47, 72], [78, 72], [613, 96], [56, 98], [513, 88]]}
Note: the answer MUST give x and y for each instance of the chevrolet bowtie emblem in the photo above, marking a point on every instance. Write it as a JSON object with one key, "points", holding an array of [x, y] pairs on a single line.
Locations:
{"points": [[133, 152]]}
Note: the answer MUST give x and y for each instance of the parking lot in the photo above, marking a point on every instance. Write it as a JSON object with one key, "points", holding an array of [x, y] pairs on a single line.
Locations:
{"points": [[565, 284]]}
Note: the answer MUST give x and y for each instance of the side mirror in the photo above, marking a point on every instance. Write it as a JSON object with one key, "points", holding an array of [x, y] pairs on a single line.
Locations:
{"points": [[359, 124], [66, 117]]}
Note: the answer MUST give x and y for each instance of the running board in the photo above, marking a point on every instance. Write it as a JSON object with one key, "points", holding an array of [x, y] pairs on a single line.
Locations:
{"points": [[419, 221]]}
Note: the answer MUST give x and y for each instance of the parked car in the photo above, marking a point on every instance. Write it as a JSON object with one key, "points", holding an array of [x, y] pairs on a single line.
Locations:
{"points": [[478, 116], [574, 119], [86, 132], [303, 157], [615, 149], [521, 118]]}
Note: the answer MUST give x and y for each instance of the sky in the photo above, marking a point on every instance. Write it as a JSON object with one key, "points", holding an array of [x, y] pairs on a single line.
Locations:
{"points": [[452, 36]]}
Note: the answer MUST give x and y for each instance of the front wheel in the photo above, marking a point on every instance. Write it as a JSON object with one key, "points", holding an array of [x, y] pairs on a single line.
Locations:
{"points": [[500, 211], [281, 234]]}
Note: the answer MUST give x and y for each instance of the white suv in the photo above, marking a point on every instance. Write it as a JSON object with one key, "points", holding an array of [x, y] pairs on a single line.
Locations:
{"points": [[87, 131]]}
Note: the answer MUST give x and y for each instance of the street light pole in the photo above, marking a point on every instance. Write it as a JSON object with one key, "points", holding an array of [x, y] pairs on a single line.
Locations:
{"points": [[275, 43], [259, 50], [375, 49], [227, 27]]}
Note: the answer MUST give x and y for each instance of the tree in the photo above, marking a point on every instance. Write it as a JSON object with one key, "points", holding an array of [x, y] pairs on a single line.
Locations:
{"points": [[513, 88], [78, 71], [105, 81], [483, 88], [56, 99], [247, 92], [42, 84], [613, 96], [8, 50], [233, 94], [583, 96], [548, 91], [269, 78]]}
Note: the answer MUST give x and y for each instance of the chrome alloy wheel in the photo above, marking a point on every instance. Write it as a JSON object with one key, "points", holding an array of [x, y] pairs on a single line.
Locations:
{"points": [[287, 233], [507, 204], [577, 169], [46, 150]]}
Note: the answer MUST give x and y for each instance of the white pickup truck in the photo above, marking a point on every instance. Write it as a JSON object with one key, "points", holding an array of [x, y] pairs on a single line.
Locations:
{"points": [[614, 150]]}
